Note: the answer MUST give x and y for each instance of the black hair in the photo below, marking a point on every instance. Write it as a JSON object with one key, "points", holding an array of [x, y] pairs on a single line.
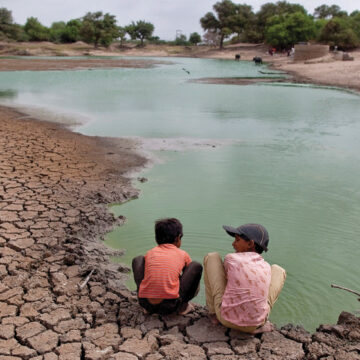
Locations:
{"points": [[167, 230], [258, 248]]}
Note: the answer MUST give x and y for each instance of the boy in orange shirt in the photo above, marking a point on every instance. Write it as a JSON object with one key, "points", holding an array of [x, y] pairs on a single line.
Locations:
{"points": [[166, 278]]}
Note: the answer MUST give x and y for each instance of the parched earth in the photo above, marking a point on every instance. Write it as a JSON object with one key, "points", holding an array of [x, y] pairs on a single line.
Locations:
{"points": [[54, 187]]}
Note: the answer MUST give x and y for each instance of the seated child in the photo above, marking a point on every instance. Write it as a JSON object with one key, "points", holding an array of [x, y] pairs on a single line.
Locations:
{"points": [[166, 278], [241, 291]]}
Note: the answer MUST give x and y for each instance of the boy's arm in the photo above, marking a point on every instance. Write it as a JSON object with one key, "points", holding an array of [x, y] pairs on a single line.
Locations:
{"points": [[187, 259]]}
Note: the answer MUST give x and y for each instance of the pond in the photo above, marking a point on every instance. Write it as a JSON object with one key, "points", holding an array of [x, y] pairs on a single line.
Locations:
{"points": [[281, 155]]}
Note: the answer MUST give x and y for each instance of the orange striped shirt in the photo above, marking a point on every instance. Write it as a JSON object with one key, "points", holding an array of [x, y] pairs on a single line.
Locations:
{"points": [[163, 267]]}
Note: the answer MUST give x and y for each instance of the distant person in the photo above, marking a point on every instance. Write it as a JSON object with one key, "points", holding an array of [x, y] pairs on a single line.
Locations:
{"points": [[166, 278], [241, 291]]}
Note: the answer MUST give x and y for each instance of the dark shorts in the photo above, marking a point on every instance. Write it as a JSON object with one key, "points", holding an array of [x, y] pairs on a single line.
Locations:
{"points": [[167, 306]]}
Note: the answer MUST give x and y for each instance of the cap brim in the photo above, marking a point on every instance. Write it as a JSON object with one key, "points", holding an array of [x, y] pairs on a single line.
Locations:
{"points": [[231, 230]]}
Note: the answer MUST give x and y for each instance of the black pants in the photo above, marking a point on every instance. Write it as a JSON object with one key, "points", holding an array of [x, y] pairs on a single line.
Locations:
{"points": [[189, 283]]}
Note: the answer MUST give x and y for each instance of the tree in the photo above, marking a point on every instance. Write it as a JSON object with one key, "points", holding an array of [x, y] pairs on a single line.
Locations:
{"points": [[5, 17], [285, 31], [56, 31], [338, 32], [35, 30], [194, 38], [268, 11], [319, 26], [71, 32], [121, 35], [224, 22], [243, 19], [6, 22], [354, 22], [140, 30], [98, 28], [328, 12]]}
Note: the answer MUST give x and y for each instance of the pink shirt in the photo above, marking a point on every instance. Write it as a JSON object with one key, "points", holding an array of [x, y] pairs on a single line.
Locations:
{"points": [[244, 302]]}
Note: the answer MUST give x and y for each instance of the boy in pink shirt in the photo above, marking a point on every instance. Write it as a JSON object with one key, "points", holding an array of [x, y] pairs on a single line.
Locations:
{"points": [[241, 291]]}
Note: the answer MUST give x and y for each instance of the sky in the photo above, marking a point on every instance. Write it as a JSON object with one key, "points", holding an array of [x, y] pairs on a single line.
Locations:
{"points": [[168, 16]]}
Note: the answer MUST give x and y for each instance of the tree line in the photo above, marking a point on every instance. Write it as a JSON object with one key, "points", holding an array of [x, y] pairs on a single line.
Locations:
{"points": [[93, 28], [282, 24], [279, 25]]}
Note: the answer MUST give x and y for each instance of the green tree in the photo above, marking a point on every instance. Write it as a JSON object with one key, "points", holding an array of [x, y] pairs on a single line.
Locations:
{"points": [[285, 31], [354, 22], [121, 35], [56, 31], [338, 31], [98, 28], [8, 29], [243, 20], [224, 22], [140, 30], [319, 26], [5, 17], [6, 22], [268, 11], [194, 38], [35, 30], [327, 12], [71, 31]]}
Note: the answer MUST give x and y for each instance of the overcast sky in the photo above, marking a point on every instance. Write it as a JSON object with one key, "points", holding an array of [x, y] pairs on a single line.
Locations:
{"points": [[166, 15]]}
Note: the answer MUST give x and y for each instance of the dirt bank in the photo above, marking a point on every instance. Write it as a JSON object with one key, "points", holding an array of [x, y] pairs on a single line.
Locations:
{"points": [[17, 64], [54, 187]]}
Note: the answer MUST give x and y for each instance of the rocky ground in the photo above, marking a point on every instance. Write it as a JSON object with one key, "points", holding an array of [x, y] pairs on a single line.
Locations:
{"points": [[54, 187]]}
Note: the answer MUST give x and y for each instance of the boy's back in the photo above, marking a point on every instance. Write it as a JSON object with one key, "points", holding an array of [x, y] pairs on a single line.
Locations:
{"points": [[163, 267], [166, 278]]}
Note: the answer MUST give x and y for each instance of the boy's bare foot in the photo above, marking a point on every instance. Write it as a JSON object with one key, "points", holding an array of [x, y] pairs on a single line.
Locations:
{"points": [[267, 327], [213, 319], [189, 307]]}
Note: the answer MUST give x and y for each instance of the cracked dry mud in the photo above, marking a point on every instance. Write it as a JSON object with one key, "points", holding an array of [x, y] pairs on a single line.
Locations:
{"points": [[54, 187]]}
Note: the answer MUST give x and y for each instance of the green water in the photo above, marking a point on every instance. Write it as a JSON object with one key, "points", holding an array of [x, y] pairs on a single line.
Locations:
{"points": [[292, 165]]}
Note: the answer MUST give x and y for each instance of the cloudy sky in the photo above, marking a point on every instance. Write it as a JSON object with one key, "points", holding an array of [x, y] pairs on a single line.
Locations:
{"points": [[168, 16]]}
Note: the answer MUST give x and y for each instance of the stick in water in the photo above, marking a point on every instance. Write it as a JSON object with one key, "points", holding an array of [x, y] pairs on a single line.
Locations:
{"points": [[81, 286], [346, 289]]}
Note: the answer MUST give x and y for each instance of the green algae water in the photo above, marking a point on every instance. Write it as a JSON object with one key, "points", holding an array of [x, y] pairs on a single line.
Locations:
{"points": [[283, 156]]}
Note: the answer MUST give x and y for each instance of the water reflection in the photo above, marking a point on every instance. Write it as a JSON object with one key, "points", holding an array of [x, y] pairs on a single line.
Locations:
{"points": [[10, 94]]}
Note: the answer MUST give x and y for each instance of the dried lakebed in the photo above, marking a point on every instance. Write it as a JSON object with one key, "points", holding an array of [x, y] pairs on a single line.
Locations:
{"points": [[54, 187]]}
